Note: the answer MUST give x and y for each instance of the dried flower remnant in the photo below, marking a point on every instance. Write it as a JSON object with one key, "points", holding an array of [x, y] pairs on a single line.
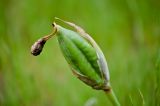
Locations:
{"points": [[37, 47]]}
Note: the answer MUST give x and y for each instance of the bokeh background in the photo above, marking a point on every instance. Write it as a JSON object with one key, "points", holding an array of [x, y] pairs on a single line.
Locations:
{"points": [[128, 32]]}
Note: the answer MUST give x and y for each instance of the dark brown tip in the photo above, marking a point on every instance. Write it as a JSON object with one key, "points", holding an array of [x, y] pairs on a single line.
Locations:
{"points": [[37, 47]]}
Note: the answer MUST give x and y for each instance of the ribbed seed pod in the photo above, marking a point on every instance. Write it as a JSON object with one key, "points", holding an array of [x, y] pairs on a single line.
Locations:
{"points": [[80, 55]]}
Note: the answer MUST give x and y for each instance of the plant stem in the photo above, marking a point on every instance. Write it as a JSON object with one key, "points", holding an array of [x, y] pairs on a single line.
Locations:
{"points": [[112, 97]]}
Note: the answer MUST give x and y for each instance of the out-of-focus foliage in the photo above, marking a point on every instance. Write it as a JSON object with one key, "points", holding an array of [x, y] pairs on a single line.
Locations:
{"points": [[128, 32]]}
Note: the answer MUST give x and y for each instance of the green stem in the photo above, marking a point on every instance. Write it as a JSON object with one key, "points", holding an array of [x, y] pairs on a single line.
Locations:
{"points": [[112, 97]]}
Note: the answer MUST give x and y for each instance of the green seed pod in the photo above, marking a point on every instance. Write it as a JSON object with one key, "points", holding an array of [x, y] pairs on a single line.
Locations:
{"points": [[84, 57]]}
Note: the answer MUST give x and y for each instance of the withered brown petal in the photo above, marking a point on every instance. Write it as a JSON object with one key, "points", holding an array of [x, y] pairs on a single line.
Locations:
{"points": [[37, 47]]}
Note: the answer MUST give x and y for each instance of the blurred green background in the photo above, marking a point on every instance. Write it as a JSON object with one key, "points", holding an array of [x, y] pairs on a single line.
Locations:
{"points": [[128, 32]]}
